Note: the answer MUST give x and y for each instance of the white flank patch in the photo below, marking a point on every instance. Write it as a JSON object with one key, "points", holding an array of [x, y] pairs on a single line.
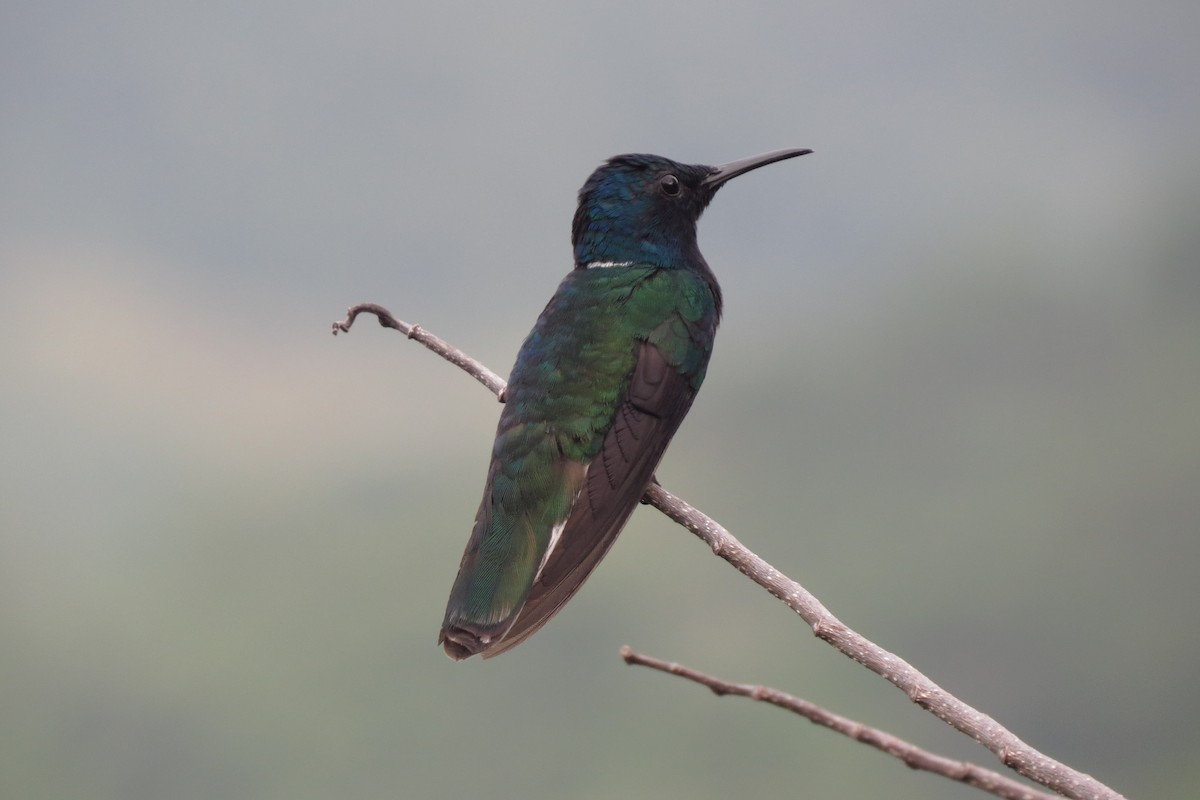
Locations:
{"points": [[607, 264], [555, 532]]}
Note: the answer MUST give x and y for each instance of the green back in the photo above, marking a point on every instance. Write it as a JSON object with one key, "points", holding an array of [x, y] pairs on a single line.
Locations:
{"points": [[570, 377]]}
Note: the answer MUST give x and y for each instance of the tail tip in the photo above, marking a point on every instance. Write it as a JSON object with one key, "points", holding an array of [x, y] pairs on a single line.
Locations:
{"points": [[460, 643]]}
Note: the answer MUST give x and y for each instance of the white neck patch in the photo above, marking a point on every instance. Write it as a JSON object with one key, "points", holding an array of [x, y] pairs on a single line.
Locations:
{"points": [[607, 264]]}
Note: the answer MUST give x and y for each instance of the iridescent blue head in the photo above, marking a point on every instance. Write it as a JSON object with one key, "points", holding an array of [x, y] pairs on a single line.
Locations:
{"points": [[643, 209]]}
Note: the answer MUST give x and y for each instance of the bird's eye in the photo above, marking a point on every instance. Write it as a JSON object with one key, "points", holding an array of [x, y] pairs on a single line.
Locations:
{"points": [[669, 184]]}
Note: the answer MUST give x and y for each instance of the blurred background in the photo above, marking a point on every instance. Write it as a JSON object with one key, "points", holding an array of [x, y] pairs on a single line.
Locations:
{"points": [[956, 392]]}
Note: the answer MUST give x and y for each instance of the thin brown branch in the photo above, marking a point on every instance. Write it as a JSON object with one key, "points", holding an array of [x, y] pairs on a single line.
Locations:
{"points": [[1012, 751], [912, 756], [440, 346]]}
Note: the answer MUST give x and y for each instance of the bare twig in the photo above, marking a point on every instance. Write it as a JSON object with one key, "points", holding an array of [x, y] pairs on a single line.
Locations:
{"points": [[913, 756], [440, 346], [1012, 751]]}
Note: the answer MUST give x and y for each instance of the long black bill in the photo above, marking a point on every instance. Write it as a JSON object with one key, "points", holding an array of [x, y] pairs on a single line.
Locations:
{"points": [[740, 167]]}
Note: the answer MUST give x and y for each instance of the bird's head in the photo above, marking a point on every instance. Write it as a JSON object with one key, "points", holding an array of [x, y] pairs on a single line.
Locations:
{"points": [[643, 208]]}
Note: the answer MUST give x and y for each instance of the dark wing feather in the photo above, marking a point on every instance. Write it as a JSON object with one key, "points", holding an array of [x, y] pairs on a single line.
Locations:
{"points": [[659, 398]]}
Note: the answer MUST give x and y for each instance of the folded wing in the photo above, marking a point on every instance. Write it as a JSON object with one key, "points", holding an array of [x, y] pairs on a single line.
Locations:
{"points": [[615, 480]]}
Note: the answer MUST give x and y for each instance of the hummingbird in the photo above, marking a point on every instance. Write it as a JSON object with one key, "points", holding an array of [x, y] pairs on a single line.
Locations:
{"points": [[598, 389]]}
